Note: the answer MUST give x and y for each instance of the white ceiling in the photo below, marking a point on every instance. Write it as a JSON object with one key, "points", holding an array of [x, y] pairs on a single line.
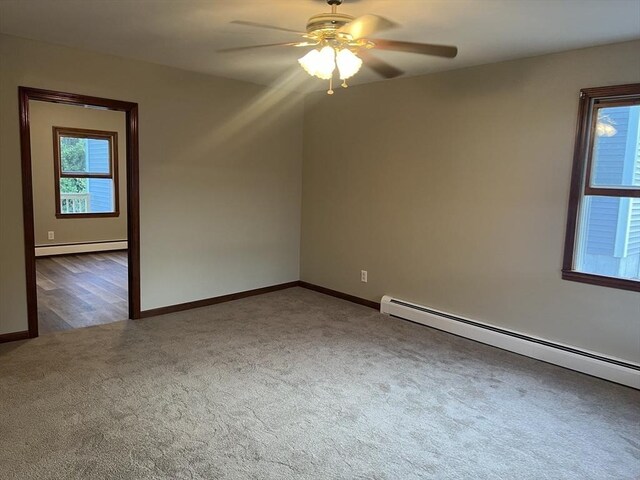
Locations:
{"points": [[187, 33]]}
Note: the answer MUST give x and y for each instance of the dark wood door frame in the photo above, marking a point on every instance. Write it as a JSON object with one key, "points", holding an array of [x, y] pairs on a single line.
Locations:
{"points": [[133, 197]]}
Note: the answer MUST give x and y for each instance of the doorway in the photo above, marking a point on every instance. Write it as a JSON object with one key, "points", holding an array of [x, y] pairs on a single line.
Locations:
{"points": [[81, 282]]}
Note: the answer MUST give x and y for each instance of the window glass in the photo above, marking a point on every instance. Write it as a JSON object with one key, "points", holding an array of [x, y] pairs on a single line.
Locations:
{"points": [[86, 195], [615, 147], [609, 237], [84, 155]]}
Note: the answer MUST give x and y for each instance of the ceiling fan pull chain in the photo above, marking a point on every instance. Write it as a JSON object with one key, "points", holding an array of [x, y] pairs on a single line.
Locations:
{"points": [[330, 91]]}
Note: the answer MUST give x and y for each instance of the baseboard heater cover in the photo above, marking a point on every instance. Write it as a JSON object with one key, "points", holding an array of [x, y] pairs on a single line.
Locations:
{"points": [[591, 363], [71, 248]]}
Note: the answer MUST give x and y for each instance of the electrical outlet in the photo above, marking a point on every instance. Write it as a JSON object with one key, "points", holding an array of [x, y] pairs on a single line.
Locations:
{"points": [[51, 235], [363, 276]]}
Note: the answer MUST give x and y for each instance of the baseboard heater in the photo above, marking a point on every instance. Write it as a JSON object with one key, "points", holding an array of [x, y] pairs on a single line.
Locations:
{"points": [[71, 248], [591, 363]]}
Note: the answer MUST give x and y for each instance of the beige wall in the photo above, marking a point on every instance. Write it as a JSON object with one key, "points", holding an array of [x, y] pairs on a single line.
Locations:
{"points": [[44, 116], [451, 190], [220, 174]]}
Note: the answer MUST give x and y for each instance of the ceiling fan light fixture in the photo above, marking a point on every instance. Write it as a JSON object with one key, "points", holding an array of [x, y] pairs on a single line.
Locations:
{"points": [[348, 63], [344, 42]]}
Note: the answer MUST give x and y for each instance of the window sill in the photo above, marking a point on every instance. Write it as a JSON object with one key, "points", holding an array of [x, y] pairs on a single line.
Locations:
{"points": [[87, 215], [602, 281]]}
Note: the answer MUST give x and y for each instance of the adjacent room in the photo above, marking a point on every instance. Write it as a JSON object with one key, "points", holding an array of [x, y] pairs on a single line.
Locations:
{"points": [[78, 174], [320, 239]]}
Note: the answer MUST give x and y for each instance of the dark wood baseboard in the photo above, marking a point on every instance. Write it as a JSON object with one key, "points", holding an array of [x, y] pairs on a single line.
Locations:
{"points": [[214, 300], [343, 296], [12, 337], [258, 291]]}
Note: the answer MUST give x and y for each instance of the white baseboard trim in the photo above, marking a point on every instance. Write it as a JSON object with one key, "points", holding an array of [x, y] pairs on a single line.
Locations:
{"points": [[80, 248], [591, 363]]}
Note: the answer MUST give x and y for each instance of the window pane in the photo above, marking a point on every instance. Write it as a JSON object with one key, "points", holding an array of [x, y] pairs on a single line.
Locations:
{"points": [[86, 195], [84, 155], [73, 154], [616, 155], [609, 237]]}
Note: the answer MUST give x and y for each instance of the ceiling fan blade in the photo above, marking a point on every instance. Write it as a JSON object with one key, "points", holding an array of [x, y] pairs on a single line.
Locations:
{"points": [[366, 25], [381, 67], [264, 25], [251, 47], [411, 47]]}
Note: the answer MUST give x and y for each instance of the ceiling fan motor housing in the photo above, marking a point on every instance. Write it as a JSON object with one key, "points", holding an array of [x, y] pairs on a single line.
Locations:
{"points": [[327, 22]]}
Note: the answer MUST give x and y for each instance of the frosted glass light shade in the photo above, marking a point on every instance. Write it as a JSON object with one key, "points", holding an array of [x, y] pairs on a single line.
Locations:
{"points": [[348, 63], [319, 63], [326, 63], [309, 61]]}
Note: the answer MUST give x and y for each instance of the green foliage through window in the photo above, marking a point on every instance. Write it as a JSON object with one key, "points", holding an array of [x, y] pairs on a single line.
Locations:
{"points": [[73, 157]]}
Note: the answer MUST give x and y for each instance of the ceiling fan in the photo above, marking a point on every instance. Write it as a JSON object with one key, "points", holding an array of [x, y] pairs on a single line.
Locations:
{"points": [[343, 42]]}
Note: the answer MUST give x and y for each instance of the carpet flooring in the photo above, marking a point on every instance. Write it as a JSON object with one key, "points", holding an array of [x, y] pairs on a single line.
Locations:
{"points": [[297, 385]]}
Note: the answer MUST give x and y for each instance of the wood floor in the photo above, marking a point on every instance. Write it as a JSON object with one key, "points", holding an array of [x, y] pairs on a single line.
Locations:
{"points": [[81, 290]]}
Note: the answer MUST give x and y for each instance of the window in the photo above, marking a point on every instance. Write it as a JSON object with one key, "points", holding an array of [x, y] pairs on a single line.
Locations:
{"points": [[86, 173], [603, 226]]}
